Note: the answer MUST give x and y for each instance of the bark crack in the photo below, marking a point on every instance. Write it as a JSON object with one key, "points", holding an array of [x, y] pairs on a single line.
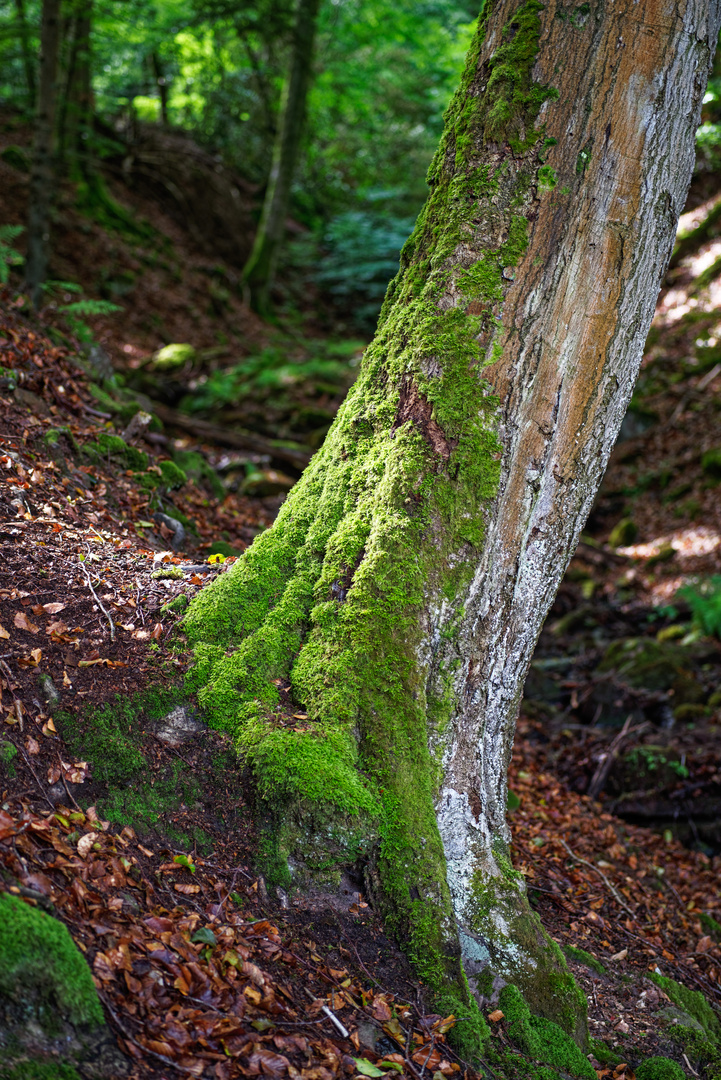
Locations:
{"points": [[414, 407]]}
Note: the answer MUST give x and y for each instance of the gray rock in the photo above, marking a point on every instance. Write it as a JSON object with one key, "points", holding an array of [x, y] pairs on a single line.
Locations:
{"points": [[178, 727], [176, 528], [678, 1018], [368, 1034], [49, 692]]}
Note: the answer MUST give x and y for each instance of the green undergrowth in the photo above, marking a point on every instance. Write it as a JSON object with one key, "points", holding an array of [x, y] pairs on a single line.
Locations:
{"points": [[115, 740], [112, 449], [39, 1070], [307, 651], [41, 966]]}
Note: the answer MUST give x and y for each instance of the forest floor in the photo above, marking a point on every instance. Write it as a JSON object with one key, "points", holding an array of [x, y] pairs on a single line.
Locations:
{"points": [[125, 814]]}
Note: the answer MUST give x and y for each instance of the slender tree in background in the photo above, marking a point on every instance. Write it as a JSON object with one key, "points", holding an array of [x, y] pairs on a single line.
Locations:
{"points": [[42, 175], [260, 268], [162, 84], [75, 125], [28, 59], [369, 651]]}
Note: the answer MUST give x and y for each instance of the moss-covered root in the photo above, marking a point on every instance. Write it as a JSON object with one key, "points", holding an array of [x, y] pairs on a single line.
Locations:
{"points": [[506, 941], [41, 967], [541, 1038]]}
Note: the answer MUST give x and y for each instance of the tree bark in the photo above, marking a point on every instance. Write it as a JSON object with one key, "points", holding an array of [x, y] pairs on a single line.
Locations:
{"points": [[369, 651], [260, 269], [42, 176]]}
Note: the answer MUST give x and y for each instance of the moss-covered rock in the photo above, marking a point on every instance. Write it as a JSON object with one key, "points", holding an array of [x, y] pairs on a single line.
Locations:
{"points": [[711, 463], [691, 1001], [173, 356], [108, 447], [197, 468], [41, 967], [580, 956], [659, 1068]]}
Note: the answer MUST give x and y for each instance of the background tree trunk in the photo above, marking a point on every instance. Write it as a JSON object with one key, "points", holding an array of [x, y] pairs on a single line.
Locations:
{"points": [[42, 176], [369, 651], [260, 268], [75, 125], [28, 59]]}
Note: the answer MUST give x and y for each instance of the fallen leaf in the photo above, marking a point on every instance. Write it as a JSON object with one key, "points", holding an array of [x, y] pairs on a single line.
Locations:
{"points": [[620, 955], [495, 1016], [704, 944], [32, 745], [3, 633], [23, 623], [187, 890], [85, 844], [54, 608], [367, 1068]]}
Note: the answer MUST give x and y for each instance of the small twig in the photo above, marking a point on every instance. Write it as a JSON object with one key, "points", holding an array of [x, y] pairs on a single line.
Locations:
{"points": [[37, 779], [98, 601], [65, 785], [612, 889], [330, 1014]]}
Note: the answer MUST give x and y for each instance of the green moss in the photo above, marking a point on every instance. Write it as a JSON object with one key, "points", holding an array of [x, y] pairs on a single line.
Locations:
{"points": [[580, 956], [541, 1038], [40, 963], [710, 925], [112, 446], [691, 1001], [39, 1070], [603, 1053], [222, 547], [8, 753], [197, 468], [109, 739], [659, 1068], [547, 178], [711, 463], [172, 475], [179, 604]]}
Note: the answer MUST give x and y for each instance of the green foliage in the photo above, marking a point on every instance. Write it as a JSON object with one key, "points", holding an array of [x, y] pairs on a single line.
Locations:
{"points": [[362, 249], [711, 926], [8, 255], [704, 599], [79, 310], [265, 373], [659, 1068], [649, 759], [112, 446], [540, 1038], [197, 468], [711, 463], [40, 963]]}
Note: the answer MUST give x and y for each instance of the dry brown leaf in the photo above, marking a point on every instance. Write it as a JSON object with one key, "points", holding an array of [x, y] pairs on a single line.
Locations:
{"points": [[187, 890], [3, 633], [54, 608], [32, 745], [495, 1016], [85, 844], [23, 623]]}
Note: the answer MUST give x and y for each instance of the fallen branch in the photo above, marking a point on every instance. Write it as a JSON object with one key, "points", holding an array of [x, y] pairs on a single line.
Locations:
{"points": [[98, 601], [234, 437]]}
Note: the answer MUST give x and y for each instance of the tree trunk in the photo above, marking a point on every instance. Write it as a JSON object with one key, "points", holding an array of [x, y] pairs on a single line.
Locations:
{"points": [[42, 175], [369, 651], [76, 120], [162, 84], [28, 59], [260, 268]]}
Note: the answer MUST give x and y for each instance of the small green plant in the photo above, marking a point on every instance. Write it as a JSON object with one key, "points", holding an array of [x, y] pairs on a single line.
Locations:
{"points": [[704, 599], [76, 313], [8, 753], [8, 255], [649, 759]]}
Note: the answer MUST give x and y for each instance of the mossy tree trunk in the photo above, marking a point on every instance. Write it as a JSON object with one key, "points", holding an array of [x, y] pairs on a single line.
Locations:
{"points": [[259, 271], [42, 174], [369, 651]]}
